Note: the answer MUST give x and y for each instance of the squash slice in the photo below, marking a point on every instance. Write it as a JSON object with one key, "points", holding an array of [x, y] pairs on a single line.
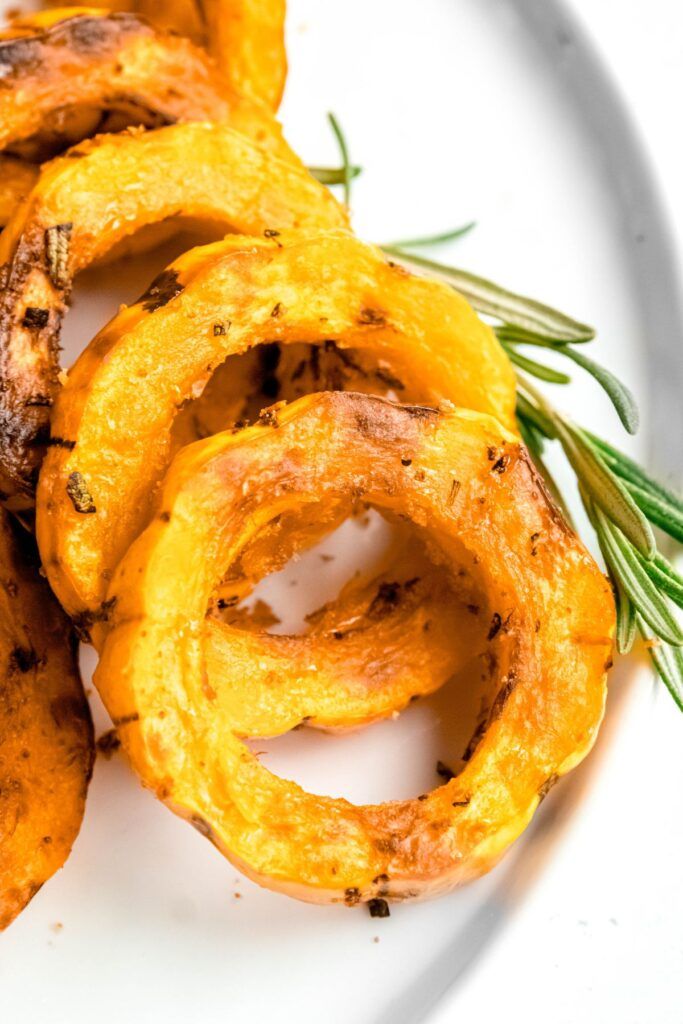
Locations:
{"points": [[112, 430], [46, 742], [246, 37], [77, 72], [380, 645], [93, 198], [473, 494]]}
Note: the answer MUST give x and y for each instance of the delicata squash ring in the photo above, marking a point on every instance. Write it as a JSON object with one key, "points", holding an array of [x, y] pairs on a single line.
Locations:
{"points": [[81, 208], [473, 494], [76, 72], [113, 422], [380, 645], [46, 742], [247, 37]]}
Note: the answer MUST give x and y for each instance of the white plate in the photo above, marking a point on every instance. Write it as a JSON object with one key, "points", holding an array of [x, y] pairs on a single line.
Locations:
{"points": [[484, 109]]}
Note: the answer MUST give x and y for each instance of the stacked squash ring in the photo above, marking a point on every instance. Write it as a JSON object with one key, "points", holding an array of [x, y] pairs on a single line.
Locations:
{"points": [[246, 37], [158, 509], [46, 742], [76, 72]]}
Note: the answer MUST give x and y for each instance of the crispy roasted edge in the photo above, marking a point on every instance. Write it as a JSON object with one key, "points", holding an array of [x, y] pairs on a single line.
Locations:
{"points": [[46, 736]]}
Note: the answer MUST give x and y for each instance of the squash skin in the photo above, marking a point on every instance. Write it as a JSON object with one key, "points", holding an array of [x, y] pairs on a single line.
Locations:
{"points": [[246, 37], [46, 740], [552, 624], [113, 420], [76, 72], [81, 208]]}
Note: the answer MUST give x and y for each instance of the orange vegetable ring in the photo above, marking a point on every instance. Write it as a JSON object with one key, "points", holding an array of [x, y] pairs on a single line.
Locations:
{"points": [[473, 495], [114, 422], [76, 72], [381, 644], [247, 37], [46, 743], [81, 208]]}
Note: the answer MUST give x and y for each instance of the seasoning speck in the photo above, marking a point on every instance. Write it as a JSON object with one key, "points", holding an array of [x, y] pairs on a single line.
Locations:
{"points": [[379, 908]]}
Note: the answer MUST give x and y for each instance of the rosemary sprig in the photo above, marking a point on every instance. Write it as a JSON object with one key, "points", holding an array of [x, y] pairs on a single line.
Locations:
{"points": [[347, 167], [438, 239], [627, 621], [622, 501], [516, 311], [621, 397], [668, 662], [644, 581], [538, 370]]}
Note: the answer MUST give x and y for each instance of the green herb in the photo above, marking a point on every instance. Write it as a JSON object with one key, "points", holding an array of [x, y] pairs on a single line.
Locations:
{"points": [[347, 167], [515, 310], [439, 239], [335, 175], [628, 569], [668, 661], [627, 621], [611, 486], [535, 369], [622, 501], [622, 399], [665, 576]]}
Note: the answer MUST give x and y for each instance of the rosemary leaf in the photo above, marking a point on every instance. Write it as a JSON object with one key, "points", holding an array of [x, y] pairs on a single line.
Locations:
{"points": [[535, 369], [631, 471], [344, 152], [439, 239], [665, 577], [658, 511], [626, 621], [517, 336], [334, 175], [621, 398], [526, 410], [606, 490], [532, 437], [491, 299], [628, 570], [669, 664]]}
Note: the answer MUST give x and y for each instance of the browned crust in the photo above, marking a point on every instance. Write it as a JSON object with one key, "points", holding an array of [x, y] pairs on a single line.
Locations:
{"points": [[106, 61], [46, 737], [549, 627], [62, 228]]}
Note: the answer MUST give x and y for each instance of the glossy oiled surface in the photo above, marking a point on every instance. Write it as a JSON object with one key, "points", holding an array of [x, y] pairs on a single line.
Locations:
{"points": [[119, 408], [471, 492], [81, 208]]}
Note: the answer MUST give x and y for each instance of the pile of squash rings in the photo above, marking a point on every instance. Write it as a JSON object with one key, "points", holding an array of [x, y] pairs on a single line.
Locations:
{"points": [[164, 484]]}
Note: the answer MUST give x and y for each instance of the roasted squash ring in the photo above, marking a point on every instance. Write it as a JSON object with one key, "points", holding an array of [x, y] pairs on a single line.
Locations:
{"points": [[81, 208], [76, 72], [473, 494], [247, 37], [17, 178], [46, 743], [376, 648], [112, 425]]}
